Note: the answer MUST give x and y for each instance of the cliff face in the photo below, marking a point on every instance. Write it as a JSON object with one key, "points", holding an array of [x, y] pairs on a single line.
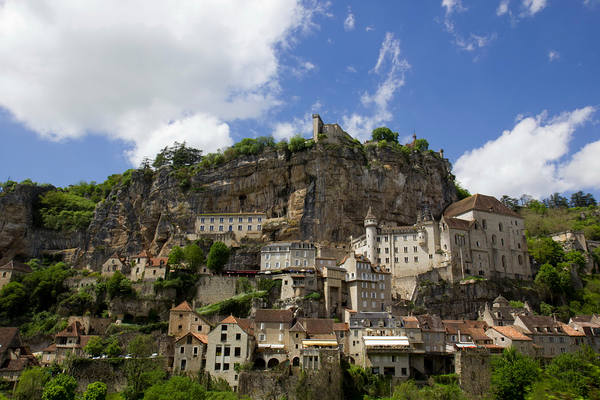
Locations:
{"points": [[322, 193], [318, 194], [20, 238]]}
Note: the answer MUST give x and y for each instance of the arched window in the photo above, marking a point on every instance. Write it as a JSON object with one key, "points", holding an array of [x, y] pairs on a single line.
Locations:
{"points": [[520, 258], [503, 261], [502, 241], [500, 226], [484, 224]]}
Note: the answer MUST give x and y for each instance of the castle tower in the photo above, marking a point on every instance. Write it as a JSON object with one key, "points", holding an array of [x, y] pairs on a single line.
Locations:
{"points": [[371, 234], [317, 127]]}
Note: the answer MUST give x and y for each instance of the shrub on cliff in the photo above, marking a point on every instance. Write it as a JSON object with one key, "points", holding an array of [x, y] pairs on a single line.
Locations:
{"points": [[217, 256]]}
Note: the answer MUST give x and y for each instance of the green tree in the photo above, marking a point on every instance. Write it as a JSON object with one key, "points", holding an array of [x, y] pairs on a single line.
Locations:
{"points": [[421, 145], [548, 278], [579, 199], [513, 374], [193, 255], [118, 285], [61, 387], [217, 256], [94, 346], [384, 133], [140, 370], [510, 202], [178, 155], [31, 384], [176, 388], [556, 201], [95, 391], [545, 250], [298, 143], [13, 301], [176, 256], [575, 257], [113, 349]]}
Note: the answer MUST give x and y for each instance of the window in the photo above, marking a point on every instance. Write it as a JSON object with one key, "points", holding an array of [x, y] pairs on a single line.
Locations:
{"points": [[484, 224], [221, 220], [238, 336], [219, 351], [502, 241], [416, 259], [227, 351], [395, 259], [223, 337], [183, 362], [431, 256], [259, 219], [202, 220], [230, 228], [258, 227], [261, 337], [212, 220], [230, 219], [212, 228], [240, 219], [239, 227], [202, 228], [223, 327], [520, 258], [403, 371], [500, 226], [406, 259], [181, 350], [217, 366], [195, 351], [237, 351], [220, 228]]}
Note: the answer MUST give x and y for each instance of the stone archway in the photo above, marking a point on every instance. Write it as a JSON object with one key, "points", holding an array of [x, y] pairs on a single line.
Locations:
{"points": [[273, 362], [296, 362]]}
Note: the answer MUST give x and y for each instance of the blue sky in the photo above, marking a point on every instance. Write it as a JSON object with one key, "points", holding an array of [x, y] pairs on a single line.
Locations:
{"points": [[509, 89]]}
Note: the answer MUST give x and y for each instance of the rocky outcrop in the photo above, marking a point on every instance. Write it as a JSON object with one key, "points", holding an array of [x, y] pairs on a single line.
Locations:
{"points": [[20, 238], [318, 194], [321, 193]]}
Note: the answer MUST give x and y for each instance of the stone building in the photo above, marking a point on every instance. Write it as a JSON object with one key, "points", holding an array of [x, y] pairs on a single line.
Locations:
{"points": [[368, 286], [553, 337], [231, 342], [15, 357], [501, 313], [590, 326], [509, 336], [333, 278], [113, 264], [280, 255], [387, 355], [190, 353], [156, 268], [270, 329], [71, 340], [183, 319], [238, 225], [11, 270], [296, 281], [475, 236]]}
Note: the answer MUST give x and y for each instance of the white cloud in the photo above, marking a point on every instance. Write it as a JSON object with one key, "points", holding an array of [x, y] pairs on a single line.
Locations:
{"points": [[349, 21], [350, 68], [532, 7], [392, 68], [530, 159], [469, 43], [301, 126], [502, 7], [453, 6], [553, 55], [369, 28], [145, 72]]}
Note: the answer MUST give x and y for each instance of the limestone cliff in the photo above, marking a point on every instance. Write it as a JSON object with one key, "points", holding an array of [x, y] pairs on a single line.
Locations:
{"points": [[20, 238], [317, 194], [321, 193]]}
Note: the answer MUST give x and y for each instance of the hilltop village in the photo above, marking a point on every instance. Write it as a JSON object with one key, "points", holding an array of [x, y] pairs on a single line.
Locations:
{"points": [[274, 312]]}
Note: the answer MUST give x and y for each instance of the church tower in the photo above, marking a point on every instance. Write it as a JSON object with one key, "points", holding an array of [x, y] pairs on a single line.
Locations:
{"points": [[371, 234]]}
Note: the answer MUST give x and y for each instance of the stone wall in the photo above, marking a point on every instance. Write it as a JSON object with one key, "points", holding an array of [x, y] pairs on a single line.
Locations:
{"points": [[474, 371], [294, 383], [213, 288]]}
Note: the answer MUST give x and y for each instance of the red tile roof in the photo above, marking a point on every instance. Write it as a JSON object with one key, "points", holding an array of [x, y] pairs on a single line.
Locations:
{"points": [[340, 326], [511, 332], [200, 337], [185, 306], [73, 330]]}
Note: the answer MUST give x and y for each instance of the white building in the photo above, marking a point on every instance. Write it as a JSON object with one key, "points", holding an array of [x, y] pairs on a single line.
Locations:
{"points": [[279, 255], [477, 236], [239, 225]]}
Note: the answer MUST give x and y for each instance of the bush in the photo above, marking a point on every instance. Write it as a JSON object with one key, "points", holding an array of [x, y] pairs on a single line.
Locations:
{"points": [[217, 256], [95, 391]]}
